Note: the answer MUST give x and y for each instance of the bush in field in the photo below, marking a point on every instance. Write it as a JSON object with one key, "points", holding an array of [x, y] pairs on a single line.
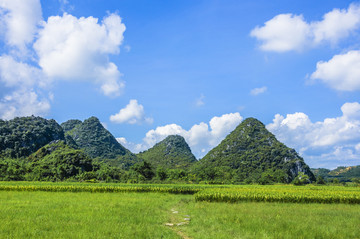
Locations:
{"points": [[320, 180], [301, 179], [144, 169]]}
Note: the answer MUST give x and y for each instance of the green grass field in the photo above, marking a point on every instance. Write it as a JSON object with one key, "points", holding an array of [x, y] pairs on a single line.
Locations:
{"points": [[41, 214]]}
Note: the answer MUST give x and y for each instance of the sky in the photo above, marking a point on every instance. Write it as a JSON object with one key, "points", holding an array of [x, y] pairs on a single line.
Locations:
{"points": [[196, 68]]}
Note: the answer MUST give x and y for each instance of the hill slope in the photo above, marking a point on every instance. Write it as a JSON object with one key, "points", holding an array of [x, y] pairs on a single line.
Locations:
{"points": [[93, 138], [343, 174], [171, 153], [252, 152], [24, 135]]}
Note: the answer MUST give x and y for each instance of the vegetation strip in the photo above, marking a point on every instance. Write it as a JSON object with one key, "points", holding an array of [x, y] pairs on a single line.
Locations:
{"points": [[217, 193], [101, 189], [279, 194]]}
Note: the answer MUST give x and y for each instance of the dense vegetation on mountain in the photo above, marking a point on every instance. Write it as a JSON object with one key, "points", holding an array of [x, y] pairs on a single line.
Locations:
{"points": [[171, 153], [93, 138], [33, 148], [340, 174], [252, 154], [22, 136]]}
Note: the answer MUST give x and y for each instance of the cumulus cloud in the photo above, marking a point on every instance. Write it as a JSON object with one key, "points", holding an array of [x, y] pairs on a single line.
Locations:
{"points": [[78, 49], [285, 32], [21, 103], [340, 135], [21, 80], [133, 113], [38, 52], [337, 24], [200, 137], [289, 32], [258, 91], [18, 74], [342, 72], [20, 20]]}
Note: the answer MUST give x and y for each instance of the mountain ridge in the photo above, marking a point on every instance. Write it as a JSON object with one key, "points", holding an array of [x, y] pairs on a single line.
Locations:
{"points": [[250, 150], [171, 153]]}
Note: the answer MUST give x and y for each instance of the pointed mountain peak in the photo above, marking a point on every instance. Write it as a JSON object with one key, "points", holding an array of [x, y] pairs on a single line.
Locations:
{"points": [[251, 150], [173, 152], [93, 138]]}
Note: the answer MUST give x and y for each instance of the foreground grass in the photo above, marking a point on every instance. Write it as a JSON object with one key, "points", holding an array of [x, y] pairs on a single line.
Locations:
{"points": [[271, 220], [41, 214], [85, 215]]}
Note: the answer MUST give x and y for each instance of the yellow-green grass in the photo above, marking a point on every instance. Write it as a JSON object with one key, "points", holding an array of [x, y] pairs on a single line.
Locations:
{"points": [[41, 214], [85, 215], [271, 220], [210, 193], [281, 193]]}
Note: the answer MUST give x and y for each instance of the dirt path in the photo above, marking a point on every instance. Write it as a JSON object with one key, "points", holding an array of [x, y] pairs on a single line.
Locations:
{"points": [[177, 221]]}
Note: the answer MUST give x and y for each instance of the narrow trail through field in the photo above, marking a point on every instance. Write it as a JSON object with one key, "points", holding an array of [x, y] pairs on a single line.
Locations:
{"points": [[177, 221]]}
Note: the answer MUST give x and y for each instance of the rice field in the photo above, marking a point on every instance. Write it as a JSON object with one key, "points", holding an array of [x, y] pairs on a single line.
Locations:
{"points": [[77, 210]]}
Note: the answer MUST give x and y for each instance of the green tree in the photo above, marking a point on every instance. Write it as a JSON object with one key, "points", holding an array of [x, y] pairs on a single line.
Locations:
{"points": [[145, 169]]}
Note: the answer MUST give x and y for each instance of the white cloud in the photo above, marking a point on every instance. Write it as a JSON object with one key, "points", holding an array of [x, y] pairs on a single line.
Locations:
{"points": [[200, 137], [78, 49], [297, 131], [21, 103], [68, 48], [21, 80], [200, 101], [18, 74], [285, 32], [258, 91], [288, 32], [20, 19], [133, 113], [337, 24], [342, 72]]}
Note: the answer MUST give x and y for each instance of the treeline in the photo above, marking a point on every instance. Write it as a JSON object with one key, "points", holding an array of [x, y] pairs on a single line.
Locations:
{"points": [[59, 162]]}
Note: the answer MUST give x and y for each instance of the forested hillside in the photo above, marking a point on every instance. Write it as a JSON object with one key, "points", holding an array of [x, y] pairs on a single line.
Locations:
{"points": [[33, 148], [22, 136], [171, 153], [252, 154]]}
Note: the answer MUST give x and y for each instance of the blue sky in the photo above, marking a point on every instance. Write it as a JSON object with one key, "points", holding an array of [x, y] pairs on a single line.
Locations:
{"points": [[148, 69]]}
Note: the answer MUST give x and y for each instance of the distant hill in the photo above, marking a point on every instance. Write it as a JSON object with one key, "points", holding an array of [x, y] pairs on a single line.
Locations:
{"points": [[343, 174], [171, 153], [93, 138], [251, 152], [57, 161], [24, 135]]}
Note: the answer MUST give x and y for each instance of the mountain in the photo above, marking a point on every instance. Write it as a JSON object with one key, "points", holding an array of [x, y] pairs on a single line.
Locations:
{"points": [[171, 153], [93, 138], [343, 174], [251, 152], [57, 161], [24, 135]]}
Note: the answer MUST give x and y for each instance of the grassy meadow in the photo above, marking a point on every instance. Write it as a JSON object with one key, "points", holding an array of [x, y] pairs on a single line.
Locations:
{"points": [[27, 211]]}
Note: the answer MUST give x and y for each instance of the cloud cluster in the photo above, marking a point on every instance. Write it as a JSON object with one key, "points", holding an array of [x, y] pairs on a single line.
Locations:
{"points": [[289, 32], [133, 113], [200, 137], [71, 48], [20, 20], [340, 136], [61, 48], [342, 72]]}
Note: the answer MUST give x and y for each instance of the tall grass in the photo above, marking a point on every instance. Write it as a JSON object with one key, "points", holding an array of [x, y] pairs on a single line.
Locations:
{"points": [[85, 215], [272, 220], [286, 194]]}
